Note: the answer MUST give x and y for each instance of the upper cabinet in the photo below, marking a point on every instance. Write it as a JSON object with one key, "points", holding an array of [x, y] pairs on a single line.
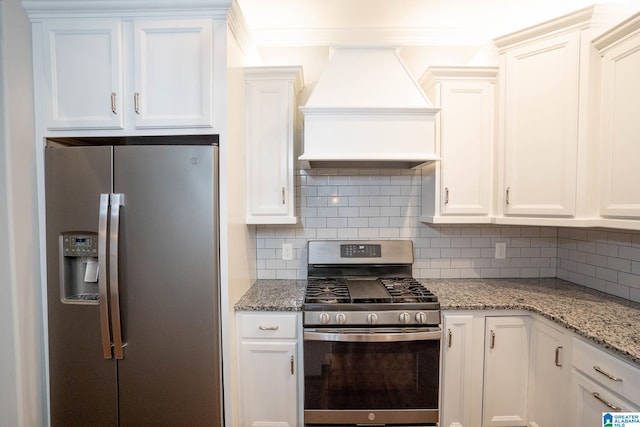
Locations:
{"points": [[273, 135], [108, 74], [620, 127], [458, 188], [548, 132]]}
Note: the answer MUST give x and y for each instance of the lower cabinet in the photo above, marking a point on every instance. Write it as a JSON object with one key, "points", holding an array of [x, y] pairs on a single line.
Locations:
{"points": [[601, 383], [506, 371], [549, 375], [269, 388]]}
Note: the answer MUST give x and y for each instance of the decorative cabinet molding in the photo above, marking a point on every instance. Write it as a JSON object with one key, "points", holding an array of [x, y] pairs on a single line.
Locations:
{"points": [[458, 188], [269, 369], [620, 127], [273, 133], [90, 82]]}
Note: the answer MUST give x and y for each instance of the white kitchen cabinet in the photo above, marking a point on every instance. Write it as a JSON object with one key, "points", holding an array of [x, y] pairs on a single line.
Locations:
{"points": [[601, 383], [506, 371], [458, 188], [548, 131], [461, 391], [109, 74], [550, 375], [273, 133], [620, 127], [269, 369]]}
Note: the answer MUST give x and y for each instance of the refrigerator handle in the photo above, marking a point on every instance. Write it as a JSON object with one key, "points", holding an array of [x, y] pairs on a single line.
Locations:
{"points": [[117, 200], [105, 331]]}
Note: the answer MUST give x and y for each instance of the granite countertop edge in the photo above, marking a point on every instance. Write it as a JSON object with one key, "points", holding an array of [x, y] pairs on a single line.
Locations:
{"points": [[603, 319]]}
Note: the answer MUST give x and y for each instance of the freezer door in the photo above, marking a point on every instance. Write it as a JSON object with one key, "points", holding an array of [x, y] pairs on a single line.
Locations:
{"points": [[82, 382], [168, 285]]}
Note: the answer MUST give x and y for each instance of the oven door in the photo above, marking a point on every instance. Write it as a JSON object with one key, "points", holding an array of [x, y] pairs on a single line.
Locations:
{"points": [[371, 376]]}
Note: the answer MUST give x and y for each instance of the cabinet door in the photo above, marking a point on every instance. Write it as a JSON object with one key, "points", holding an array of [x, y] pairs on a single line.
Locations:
{"points": [[620, 129], [83, 75], [466, 142], [506, 371], [549, 379], [592, 400], [173, 73], [268, 384], [271, 129], [540, 120], [461, 371]]}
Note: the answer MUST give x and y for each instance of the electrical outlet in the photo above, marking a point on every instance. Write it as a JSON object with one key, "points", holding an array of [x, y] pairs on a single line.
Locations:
{"points": [[287, 251], [501, 250]]}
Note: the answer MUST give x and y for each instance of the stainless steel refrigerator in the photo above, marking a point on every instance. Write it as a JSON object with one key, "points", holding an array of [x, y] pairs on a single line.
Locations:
{"points": [[132, 282]]}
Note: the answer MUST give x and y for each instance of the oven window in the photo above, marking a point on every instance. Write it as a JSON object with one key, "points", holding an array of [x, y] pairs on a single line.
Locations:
{"points": [[389, 375]]}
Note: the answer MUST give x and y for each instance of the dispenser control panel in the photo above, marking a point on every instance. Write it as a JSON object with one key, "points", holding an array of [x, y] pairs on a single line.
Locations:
{"points": [[80, 245]]}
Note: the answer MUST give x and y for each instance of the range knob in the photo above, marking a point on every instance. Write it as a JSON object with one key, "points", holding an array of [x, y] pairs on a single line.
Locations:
{"points": [[404, 318], [372, 318], [421, 317], [341, 318], [324, 318]]}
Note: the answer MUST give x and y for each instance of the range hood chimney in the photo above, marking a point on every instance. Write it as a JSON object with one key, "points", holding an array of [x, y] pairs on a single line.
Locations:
{"points": [[366, 111]]}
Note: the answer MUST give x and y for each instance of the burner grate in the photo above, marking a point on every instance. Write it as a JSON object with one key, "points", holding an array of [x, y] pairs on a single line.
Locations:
{"points": [[327, 291], [408, 290]]}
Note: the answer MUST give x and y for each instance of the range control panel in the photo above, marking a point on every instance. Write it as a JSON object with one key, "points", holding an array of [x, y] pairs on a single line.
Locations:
{"points": [[360, 251]]}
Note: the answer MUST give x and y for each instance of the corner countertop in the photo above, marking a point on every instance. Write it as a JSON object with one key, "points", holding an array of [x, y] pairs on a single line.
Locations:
{"points": [[612, 322]]}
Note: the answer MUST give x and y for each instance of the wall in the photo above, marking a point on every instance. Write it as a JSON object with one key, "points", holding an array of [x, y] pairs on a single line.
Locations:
{"points": [[607, 260], [385, 204], [22, 390], [379, 204]]}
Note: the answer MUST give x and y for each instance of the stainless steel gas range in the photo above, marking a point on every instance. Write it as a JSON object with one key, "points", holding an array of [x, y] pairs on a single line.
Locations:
{"points": [[371, 337]]}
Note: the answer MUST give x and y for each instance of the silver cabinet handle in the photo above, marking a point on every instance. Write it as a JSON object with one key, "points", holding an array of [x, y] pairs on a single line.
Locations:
{"points": [[492, 345], [507, 195], [268, 328], [446, 195], [113, 103], [606, 374], [608, 404], [283, 196], [558, 362], [292, 369], [117, 200], [105, 331], [450, 338], [136, 102]]}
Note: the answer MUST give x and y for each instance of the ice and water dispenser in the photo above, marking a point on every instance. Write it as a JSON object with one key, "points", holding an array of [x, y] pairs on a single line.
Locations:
{"points": [[79, 268]]}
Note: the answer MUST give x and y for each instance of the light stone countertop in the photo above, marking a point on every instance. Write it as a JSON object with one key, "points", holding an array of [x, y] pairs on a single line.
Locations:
{"points": [[609, 321]]}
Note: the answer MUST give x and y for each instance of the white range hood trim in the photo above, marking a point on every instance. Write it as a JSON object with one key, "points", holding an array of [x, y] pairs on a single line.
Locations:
{"points": [[366, 111]]}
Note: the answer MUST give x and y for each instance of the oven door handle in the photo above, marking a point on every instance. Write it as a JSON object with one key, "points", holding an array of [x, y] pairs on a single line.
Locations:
{"points": [[431, 335]]}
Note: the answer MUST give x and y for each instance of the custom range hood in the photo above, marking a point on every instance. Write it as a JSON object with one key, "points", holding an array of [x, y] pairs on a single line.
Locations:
{"points": [[366, 111]]}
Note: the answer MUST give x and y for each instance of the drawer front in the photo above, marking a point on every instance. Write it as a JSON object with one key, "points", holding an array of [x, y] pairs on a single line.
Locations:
{"points": [[613, 373], [269, 325]]}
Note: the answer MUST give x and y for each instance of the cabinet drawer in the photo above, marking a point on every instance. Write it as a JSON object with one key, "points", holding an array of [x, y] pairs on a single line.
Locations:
{"points": [[269, 325], [613, 373]]}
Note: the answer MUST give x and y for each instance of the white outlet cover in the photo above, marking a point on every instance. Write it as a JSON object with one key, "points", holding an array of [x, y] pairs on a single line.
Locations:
{"points": [[501, 250], [287, 251]]}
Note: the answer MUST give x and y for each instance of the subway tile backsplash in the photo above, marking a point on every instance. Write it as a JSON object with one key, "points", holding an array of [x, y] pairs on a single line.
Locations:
{"points": [[385, 204]]}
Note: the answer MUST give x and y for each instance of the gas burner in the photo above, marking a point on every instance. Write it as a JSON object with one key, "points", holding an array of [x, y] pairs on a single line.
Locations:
{"points": [[407, 290], [327, 291]]}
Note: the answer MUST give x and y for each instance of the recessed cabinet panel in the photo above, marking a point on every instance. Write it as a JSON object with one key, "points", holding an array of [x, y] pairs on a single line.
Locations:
{"points": [[173, 73], [506, 370], [272, 134], [620, 131], [541, 127], [83, 75]]}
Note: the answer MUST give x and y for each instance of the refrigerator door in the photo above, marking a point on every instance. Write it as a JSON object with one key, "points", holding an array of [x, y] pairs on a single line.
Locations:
{"points": [[168, 286], [82, 382]]}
